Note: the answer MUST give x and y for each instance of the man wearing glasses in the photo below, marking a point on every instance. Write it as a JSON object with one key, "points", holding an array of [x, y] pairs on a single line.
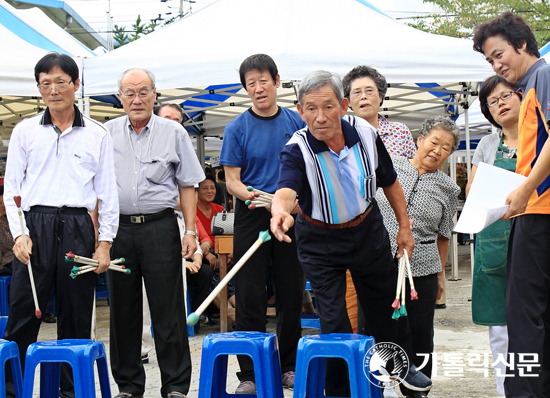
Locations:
{"points": [[155, 164], [61, 163]]}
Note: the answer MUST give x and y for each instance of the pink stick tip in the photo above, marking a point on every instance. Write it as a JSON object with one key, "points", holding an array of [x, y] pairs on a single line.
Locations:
{"points": [[17, 200], [414, 294], [123, 267], [38, 314], [396, 304], [70, 255]]}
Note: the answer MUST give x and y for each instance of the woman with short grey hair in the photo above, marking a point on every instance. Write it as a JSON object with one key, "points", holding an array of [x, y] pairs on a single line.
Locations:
{"points": [[432, 199]]}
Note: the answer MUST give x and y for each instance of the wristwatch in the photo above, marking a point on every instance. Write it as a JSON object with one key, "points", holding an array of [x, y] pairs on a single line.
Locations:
{"points": [[188, 232]]}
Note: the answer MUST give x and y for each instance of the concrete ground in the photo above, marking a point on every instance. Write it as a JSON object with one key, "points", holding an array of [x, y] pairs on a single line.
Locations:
{"points": [[459, 346]]}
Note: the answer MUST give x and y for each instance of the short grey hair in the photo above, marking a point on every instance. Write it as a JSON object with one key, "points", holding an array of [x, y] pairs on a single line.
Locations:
{"points": [[319, 79], [149, 73], [440, 122]]}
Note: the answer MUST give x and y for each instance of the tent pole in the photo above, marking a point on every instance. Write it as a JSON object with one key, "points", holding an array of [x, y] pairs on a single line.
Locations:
{"points": [[201, 154], [87, 106], [454, 238], [469, 169]]}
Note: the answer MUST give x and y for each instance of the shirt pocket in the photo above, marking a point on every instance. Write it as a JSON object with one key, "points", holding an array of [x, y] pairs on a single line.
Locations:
{"points": [[82, 166], [158, 172]]}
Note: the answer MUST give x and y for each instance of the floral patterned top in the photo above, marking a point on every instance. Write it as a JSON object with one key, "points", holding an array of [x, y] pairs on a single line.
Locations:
{"points": [[6, 242], [396, 137]]}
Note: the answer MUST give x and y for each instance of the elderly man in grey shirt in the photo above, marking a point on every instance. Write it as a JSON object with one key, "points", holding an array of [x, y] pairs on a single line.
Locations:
{"points": [[155, 163]]}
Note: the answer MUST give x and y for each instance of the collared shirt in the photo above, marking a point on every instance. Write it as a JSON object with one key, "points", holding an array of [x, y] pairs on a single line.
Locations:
{"points": [[151, 165], [253, 143], [534, 116], [432, 199], [335, 188], [74, 169], [397, 138]]}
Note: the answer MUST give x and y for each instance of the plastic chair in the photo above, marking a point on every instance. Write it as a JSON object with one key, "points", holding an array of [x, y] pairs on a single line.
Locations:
{"points": [[261, 347], [9, 350], [4, 288], [80, 354], [3, 323], [311, 364], [310, 321], [101, 287]]}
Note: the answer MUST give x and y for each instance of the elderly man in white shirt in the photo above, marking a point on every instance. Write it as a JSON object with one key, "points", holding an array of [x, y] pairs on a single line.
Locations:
{"points": [[61, 163]]}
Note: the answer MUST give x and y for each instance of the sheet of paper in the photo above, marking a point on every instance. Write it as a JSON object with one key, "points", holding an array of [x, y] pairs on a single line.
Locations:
{"points": [[487, 198]]}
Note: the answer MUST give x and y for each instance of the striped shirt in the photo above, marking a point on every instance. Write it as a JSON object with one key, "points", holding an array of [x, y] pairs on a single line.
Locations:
{"points": [[151, 165], [73, 168], [335, 188]]}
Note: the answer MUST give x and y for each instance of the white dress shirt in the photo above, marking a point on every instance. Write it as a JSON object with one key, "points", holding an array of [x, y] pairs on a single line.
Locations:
{"points": [[74, 169]]}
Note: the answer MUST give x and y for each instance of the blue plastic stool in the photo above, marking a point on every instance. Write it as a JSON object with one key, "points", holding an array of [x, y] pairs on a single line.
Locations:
{"points": [[310, 321], [311, 364], [101, 287], [9, 350], [4, 284], [3, 323], [80, 354], [261, 347]]}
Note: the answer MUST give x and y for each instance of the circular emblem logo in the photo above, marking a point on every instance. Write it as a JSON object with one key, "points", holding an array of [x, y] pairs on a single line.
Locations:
{"points": [[386, 365]]}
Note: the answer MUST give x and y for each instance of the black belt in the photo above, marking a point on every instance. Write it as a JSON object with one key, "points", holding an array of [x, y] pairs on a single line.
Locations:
{"points": [[143, 218], [58, 210], [427, 242]]}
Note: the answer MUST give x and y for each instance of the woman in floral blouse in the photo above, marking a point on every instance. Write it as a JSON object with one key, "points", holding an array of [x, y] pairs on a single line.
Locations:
{"points": [[366, 88]]}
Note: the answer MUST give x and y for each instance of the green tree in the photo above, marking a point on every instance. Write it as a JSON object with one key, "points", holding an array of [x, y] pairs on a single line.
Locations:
{"points": [[121, 36], [460, 17]]}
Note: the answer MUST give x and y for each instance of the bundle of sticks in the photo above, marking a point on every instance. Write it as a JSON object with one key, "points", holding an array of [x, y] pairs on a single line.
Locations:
{"points": [[404, 268], [91, 265], [258, 198]]}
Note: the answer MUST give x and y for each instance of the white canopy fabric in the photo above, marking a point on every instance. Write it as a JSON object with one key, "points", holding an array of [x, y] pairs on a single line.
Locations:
{"points": [[301, 35], [17, 64], [36, 36]]}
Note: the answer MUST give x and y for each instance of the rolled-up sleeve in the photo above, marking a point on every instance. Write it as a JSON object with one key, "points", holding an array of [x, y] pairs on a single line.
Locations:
{"points": [[188, 170]]}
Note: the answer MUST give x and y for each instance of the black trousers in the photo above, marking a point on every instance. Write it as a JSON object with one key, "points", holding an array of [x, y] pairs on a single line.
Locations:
{"points": [[53, 232], [200, 282], [527, 303], [325, 255], [153, 253], [250, 286]]}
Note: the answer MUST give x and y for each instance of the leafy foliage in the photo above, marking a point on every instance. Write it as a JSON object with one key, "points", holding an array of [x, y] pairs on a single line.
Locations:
{"points": [[460, 17], [122, 36]]}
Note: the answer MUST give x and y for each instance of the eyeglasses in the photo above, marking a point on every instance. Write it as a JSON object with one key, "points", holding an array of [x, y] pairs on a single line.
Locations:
{"points": [[47, 88], [369, 92], [506, 95], [143, 94]]}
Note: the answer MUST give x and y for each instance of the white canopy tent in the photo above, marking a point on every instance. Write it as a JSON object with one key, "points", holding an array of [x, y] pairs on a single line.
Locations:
{"points": [[301, 36]]}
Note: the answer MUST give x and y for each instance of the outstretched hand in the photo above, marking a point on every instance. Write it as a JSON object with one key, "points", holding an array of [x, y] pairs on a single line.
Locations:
{"points": [[280, 224]]}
